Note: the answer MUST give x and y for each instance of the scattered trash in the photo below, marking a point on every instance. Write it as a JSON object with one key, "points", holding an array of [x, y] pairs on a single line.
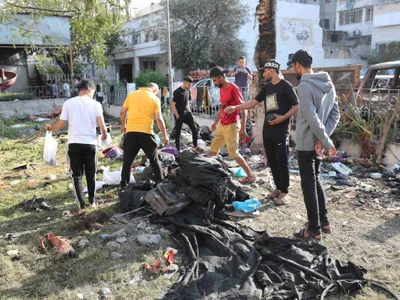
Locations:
{"points": [[169, 257], [121, 240], [50, 150], [105, 291], [341, 168], [80, 296], [114, 178], [142, 225], [25, 166], [98, 186], [155, 268], [32, 184], [238, 172], [376, 175], [83, 243], [115, 255], [12, 252], [352, 194], [36, 204], [113, 152], [246, 206], [113, 245], [18, 125], [66, 214], [332, 174], [15, 182], [149, 239], [158, 140], [113, 235], [136, 281], [167, 268], [201, 143], [42, 119], [61, 244], [10, 236], [138, 170], [294, 172], [170, 150]]}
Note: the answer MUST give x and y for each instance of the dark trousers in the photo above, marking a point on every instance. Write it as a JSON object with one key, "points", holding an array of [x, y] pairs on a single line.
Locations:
{"points": [[83, 159], [314, 195], [134, 141], [187, 119], [277, 152]]}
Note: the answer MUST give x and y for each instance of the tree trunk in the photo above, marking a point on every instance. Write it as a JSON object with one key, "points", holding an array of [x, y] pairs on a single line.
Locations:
{"points": [[65, 67], [385, 132]]}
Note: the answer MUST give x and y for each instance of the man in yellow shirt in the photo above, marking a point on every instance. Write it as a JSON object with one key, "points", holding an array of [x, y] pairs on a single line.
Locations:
{"points": [[142, 106]]}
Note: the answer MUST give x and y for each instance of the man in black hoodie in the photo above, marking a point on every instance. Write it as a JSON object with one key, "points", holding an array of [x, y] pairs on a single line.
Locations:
{"points": [[317, 118]]}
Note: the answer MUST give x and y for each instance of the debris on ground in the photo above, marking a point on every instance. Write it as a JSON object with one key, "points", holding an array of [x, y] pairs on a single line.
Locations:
{"points": [[62, 245], [149, 239], [83, 243], [115, 234], [36, 204], [246, 206]]}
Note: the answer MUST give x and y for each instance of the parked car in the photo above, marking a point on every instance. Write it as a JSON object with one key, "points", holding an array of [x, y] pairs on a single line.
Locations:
{"points": [[212, 90]]}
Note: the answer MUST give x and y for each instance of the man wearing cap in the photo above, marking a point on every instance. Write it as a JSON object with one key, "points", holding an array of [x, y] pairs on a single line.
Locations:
{"points": [[316, 120], [227, 126], [280, 103]]}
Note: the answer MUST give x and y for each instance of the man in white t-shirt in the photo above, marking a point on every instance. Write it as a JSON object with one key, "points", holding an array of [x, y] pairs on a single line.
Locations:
{"points": [[83, 113], [67, 90]]}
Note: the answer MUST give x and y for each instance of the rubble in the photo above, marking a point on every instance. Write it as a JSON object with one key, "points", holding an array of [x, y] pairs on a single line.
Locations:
{"points": [[149, 239], [113, 245]]}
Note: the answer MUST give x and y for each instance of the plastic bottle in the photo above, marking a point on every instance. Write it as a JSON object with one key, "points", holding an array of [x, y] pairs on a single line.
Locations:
{"points": [[341, 168], [247, 206]]}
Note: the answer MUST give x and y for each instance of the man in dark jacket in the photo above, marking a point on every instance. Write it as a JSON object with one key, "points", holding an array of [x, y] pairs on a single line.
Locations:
{"points": [[317, 118]]}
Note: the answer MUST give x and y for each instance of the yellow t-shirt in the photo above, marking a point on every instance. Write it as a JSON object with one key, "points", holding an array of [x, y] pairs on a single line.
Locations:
{"points": [[141, 105]]}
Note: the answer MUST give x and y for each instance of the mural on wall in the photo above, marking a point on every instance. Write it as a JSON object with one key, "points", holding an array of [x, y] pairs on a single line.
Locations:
{"points": [[296, 29]]}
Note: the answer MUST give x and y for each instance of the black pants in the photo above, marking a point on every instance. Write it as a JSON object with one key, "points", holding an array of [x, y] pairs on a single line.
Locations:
{"points": [[314, 195], [83, 159], [187, 119], [277, 151], [134, 141]]}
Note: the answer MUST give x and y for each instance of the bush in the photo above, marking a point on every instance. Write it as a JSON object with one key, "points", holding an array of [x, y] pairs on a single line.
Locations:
{"points": [[13, 96], [145, 77]]}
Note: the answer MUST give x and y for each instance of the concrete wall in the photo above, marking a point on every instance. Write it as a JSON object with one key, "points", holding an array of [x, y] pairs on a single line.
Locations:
{"points": [[386, 24], [10, 109]]}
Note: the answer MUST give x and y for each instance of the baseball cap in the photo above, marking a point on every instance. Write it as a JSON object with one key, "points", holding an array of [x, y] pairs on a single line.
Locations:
{"points": [[217, 71], [272, 63], [302, 57]]}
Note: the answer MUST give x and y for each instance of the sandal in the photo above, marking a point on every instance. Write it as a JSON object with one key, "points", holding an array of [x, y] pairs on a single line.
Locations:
{"points": [[248, 180], [301, 235], [281, 200], [273, 194], [324, 228]]}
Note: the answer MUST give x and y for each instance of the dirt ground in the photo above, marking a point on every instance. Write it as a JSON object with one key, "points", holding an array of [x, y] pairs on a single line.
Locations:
{"points": [[366, 232]]}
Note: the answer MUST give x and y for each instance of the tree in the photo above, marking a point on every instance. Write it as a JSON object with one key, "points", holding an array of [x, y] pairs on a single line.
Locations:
{"points": [[94, 25], [205, 31], [391, 53], [266, 44]]}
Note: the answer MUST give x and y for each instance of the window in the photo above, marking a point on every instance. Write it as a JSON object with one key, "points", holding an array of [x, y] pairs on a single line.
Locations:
{"points": [[147, 37], [369, 16], [155, 35], [149, 65], [334, 38], [350, 17], [327, 1], [136, 38], [381, 48]]}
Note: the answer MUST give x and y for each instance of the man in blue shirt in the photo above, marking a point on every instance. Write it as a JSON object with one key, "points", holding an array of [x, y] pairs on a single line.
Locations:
{"points": [[242, 75]]}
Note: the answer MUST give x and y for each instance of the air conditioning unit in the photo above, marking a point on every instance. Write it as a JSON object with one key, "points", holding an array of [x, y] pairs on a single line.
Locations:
{"points": [[356, 32]]}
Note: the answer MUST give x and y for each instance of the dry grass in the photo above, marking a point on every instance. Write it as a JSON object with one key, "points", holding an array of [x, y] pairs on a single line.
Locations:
{"points": [[367, 236]]}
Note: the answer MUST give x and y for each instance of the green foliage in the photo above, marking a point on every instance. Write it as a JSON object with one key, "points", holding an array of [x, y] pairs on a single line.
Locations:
{"points": [[205, 31], [13, 96], [145, 77], [94, 25], [391, 53], [5, 130], [45, 65]]}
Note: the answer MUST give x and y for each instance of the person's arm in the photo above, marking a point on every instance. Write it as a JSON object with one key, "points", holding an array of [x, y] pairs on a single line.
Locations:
{"points": [[173, 103], [235, 71], [122, 117], [214, 125], [291, 98], [161, 125], [309, 111], [238, 100], [333, 118], [102, 124], [59, 125], [243, 106], [248, 73]]}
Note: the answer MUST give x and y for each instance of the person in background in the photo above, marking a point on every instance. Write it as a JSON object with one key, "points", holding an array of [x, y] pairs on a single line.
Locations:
{"points": [[82, 114], [181, 110], [142, 107], [99, 94], [316, 120], [280, 103], [242, 76], [67, 90], [227, 127]]}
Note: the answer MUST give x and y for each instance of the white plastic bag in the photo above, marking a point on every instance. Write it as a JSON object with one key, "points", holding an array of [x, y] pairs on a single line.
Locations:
{"points": [[114, 178], [104, 143], [50, 150]]}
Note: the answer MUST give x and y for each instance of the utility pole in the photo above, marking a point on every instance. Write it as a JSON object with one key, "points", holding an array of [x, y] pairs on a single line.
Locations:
{"points": [[170, 76]]}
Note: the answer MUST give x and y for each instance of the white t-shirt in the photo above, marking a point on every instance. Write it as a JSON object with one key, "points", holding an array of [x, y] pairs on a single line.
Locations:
{"points": [[81, 113], [67, 90]]}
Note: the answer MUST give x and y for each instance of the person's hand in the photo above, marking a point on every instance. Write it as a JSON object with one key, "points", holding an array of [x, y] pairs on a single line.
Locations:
{"points": [[242, 134], [104, 136], [47, 127], [123, 129], [332, 152], [176, 115], [319, 149], [213, 127], [278, 119], [230, 109], [166, 140]]}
